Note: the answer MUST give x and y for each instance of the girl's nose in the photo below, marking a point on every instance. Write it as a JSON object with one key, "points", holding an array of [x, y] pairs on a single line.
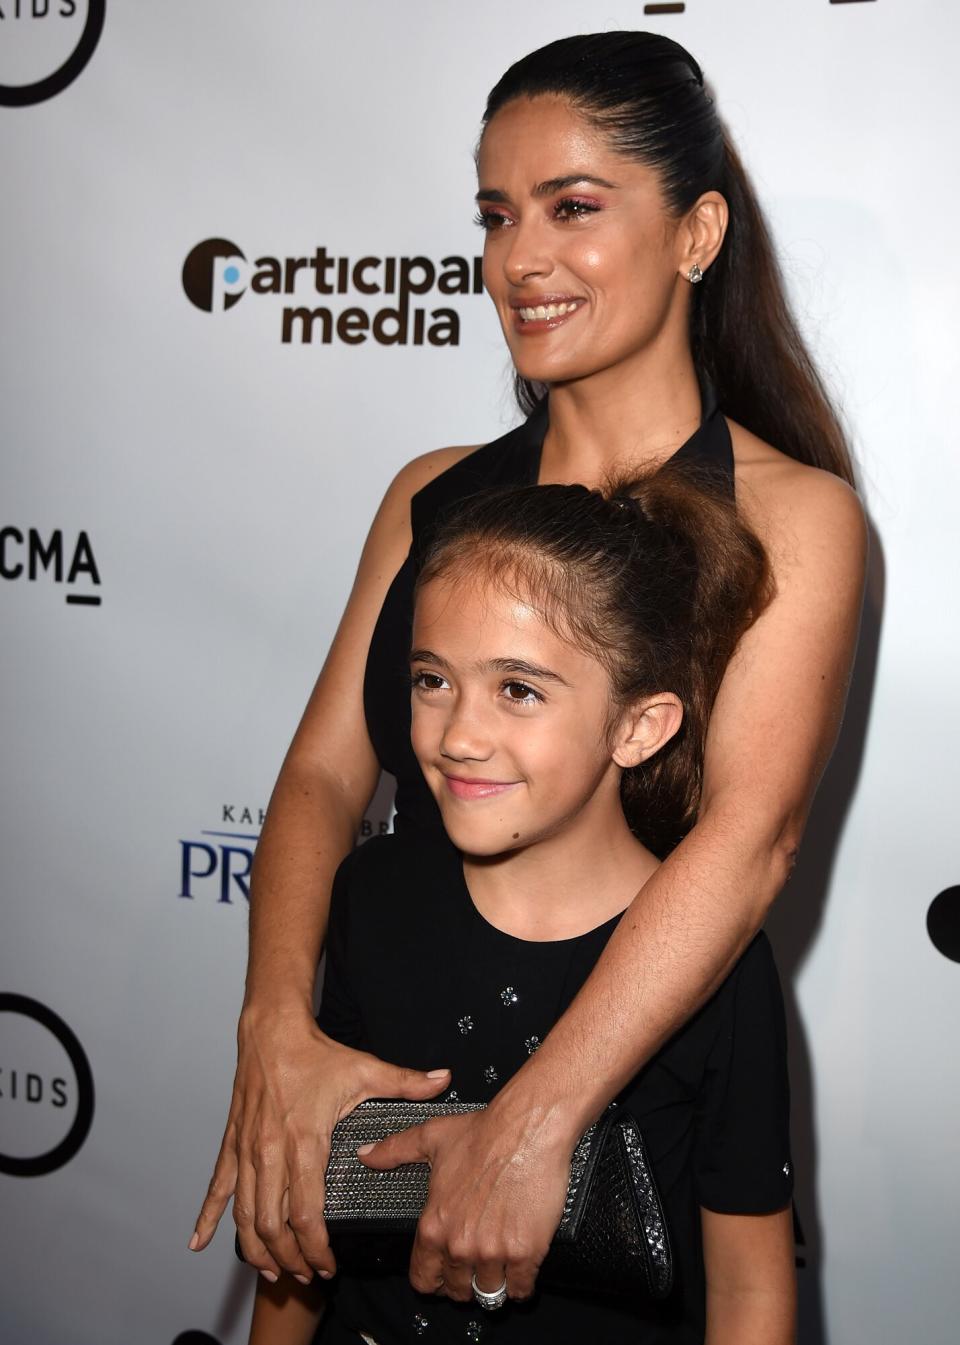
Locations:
{"points": [[465, 734]]}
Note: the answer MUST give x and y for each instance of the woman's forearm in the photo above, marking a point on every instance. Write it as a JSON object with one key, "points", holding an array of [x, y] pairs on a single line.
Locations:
{"points": [[311, 825], [672, 949]]}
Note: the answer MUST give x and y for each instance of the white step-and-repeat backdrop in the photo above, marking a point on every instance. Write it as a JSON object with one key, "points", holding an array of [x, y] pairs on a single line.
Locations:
{"points": [[238, 289]]}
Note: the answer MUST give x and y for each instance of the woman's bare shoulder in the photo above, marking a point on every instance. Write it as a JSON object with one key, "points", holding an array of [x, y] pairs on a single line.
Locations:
{"points": [[392, 524], [783, 498], [419, 471]]}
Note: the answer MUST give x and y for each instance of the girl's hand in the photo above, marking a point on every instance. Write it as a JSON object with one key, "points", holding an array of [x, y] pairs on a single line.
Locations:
{"points": [[292, 1086], [497, 1186]]}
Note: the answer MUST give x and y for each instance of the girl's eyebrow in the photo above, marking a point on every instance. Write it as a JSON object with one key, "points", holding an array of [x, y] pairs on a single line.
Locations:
{"points": [[516, 667], [547, 188], [521, 668], [427, 656]]}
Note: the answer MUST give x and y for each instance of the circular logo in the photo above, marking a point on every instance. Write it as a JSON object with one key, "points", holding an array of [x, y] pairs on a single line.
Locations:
{"points": [[38, 1096], [943, 923], [212, 278], [40, 36]]}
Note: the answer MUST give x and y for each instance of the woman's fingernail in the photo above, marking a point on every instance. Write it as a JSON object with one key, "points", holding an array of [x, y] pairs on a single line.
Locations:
{"points": [[194, 1242], [269, 1276], [303, 1279], [437, 1073], [364, 1148], [325, 1274]]}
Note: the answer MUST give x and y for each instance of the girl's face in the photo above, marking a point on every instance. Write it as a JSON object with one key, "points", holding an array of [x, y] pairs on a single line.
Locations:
{"points": [[511, 724], [581, 256]]}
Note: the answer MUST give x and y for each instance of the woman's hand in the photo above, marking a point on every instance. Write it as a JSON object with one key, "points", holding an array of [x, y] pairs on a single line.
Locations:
{"points": [[292, 1086], [497, 1185]]}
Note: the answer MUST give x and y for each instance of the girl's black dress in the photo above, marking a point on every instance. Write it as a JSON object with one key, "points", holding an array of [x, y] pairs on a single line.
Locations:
{"points": [[417, 976]]}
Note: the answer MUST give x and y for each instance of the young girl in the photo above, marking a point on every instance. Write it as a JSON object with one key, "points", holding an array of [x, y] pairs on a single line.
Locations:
{"points": [[567, 647]]}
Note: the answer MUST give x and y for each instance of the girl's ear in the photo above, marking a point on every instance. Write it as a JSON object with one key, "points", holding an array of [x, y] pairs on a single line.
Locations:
{"points": [[646, 727]]}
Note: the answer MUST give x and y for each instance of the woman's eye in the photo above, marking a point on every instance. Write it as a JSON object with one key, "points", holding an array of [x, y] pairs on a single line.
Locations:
{"points": [[428, 681], [520, 693], [572, 209], [490, 220]]}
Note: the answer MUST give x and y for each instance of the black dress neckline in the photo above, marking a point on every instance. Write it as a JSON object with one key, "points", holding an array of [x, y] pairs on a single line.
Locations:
{"points": [[709, 447]]}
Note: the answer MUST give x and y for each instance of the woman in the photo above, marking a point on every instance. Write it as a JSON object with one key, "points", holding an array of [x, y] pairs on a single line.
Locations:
{"points": [[632, 273]]}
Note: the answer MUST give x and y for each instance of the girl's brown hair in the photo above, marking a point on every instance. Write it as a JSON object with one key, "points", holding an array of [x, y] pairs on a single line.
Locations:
{"points": [[656, 577], [646, 94]]}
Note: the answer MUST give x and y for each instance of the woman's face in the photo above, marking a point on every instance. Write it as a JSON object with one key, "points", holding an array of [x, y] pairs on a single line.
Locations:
{"points": [[581, 256]]}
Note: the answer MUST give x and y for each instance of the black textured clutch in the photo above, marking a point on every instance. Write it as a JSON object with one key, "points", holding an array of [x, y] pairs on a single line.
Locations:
{"points": [[612, 1238]]}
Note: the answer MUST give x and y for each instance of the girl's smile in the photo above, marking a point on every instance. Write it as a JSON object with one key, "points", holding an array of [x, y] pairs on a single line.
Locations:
{"points": [[467, 789]]}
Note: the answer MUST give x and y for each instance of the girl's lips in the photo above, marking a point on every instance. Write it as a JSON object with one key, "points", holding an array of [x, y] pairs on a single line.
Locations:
{"points": [[477, 789]]}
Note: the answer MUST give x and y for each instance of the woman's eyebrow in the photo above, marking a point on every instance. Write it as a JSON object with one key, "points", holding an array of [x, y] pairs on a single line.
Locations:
{"points": [[555, 184], [549, 187]]}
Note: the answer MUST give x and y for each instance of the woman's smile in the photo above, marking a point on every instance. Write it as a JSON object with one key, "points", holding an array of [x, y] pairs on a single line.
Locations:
{"points": [[540, 313]]}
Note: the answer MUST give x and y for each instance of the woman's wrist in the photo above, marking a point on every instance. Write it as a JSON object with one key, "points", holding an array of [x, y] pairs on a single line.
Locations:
{"points": [[537, 1114], [284, 1010]]}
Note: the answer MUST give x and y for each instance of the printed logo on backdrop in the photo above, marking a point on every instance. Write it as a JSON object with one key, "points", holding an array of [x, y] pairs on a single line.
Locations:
{"points": [[215, 863], [51, 556], [943, 923], [46, 1089], [44, 46], [393, 301]]}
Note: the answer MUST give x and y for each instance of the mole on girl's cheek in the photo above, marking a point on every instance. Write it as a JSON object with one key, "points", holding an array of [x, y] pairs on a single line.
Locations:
{"points": [[516, 835]]}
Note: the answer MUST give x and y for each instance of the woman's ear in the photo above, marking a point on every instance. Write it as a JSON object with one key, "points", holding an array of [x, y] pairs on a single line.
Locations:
{"points": [[701, 234], [646, 727]]}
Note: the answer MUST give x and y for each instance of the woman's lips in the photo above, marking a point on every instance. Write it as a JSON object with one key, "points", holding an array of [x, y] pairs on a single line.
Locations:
{"points": [[531, 318], [477, 789]]}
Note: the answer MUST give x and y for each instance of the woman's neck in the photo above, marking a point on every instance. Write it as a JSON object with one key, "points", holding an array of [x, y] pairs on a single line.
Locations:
{"points": [[563, 885], [630, 415]]}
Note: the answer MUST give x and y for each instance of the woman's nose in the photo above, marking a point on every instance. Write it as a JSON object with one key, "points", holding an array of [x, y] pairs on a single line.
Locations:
{"points": [[527, 255]]}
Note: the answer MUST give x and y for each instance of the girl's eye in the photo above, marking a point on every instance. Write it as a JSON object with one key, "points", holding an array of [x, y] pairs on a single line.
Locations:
{"points": [[428, 681], [571, 208], [490, 220], [521, 694]]}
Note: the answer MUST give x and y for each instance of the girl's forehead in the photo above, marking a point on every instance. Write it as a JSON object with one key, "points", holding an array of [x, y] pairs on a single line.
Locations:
{"points": [[477, 603], [478, 617]]}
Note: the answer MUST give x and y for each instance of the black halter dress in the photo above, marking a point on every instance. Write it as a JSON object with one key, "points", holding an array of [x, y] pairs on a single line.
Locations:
{"points": [[512, 460]]}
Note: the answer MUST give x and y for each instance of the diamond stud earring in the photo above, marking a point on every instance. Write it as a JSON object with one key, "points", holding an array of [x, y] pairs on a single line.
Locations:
{"points": [[694, 275]]}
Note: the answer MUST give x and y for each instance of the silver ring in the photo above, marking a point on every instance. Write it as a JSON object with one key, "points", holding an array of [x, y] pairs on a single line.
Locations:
{"points": [[489, 1302]]}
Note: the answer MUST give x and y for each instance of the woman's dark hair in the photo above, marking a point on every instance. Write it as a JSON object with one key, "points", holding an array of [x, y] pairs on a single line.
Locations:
{"points": [[645, 93], [656, 577]]}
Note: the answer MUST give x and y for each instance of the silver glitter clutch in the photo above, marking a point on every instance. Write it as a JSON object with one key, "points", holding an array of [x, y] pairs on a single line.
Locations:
{"points": [[612, 1237]]}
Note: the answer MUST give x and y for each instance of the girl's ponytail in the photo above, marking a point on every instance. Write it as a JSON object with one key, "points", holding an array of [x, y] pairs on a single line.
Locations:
{"points": [[716, 583]]}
